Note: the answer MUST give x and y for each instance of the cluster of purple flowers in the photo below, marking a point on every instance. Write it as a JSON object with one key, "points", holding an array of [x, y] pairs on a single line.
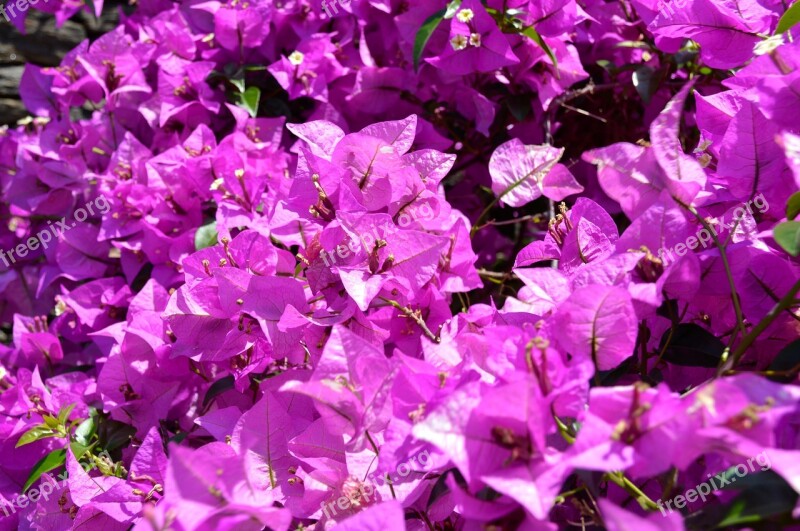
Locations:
{"points": [[496, 180]]}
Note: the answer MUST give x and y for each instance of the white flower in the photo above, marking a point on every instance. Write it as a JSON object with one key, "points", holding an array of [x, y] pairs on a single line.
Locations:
{"points": [[296, 58], [60, 308], [475, 39], [791, 144], [465, 15], [459, 42], [768, 45]]}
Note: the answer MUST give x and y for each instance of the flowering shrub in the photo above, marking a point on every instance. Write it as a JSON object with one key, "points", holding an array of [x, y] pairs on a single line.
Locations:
{"points": [[481, 232]]}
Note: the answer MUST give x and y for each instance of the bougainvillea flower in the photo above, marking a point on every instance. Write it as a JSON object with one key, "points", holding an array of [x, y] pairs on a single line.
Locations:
{"points": [[475, 45], [363, 264], [521, 174]]}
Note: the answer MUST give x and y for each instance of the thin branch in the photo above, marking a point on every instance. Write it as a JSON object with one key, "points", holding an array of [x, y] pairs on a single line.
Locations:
{"points": [[415, 316], [630, 487], [788, 372], [585, 113], [729, 362], [537, 218], [377, 453], [570, 95], [734, 295], [492, 274]]}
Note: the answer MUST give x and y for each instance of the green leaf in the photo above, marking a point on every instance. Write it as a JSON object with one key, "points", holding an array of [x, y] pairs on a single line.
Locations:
{"points": [[646, 83], [534, 35], [51, 461], [50, 421], [178, 437], [787, 359], [687, 54], [613, 377], [34, 434], [520, 106], [692, 346], [515, 24], [440, 488], [79, 449], [206, 236], [63, 415], [217, 388], [214, 74], [84, 432], [789, 19], [766, 494], [793, 206], [249, 100], [452, 9], [237, 80], [114, 434], [142, 277], [424, 34], [605, 64], [788, 236]]}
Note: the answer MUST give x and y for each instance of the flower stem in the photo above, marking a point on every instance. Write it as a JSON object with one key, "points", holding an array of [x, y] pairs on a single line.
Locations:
{"points": [[416, 317], [726, 264], [729, 362], [644, 500]]}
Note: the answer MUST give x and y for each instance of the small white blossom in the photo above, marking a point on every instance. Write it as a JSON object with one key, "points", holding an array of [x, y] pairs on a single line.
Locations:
{"points": [[768, 45], [791, 144], [60, 308], [465, 15], [296, 58], [475, 39], [459, 42]]}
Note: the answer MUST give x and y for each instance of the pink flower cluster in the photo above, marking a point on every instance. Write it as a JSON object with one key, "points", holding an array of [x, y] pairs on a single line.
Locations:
{"points": [[415, 228]]}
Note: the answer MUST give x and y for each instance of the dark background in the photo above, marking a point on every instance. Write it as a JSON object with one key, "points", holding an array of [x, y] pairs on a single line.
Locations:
{"points": [[44, 45]]}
